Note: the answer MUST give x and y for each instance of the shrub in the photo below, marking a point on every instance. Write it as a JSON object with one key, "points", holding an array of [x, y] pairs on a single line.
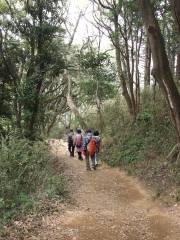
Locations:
{"points": [[141, 146], [56, 187], [57, 131], [24, 171], [144, 116], [130, 142]]}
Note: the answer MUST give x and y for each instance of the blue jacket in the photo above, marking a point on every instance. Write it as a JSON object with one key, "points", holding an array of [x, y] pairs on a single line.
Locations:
{"points": [[86, 139]]}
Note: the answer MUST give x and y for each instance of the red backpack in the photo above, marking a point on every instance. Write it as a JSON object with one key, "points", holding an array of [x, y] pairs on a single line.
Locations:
{"points": [[92, 147]]}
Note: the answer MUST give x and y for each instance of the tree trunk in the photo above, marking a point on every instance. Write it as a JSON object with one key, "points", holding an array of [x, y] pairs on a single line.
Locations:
{"points": [[52, 123], [147, 72], [130, 77], [59, 106], [138, 85], [123, 82], [100, 121], [71, 103], [121, 74], [172, 63], [17, 109], [175, 7], [161, 69], [36, 69], [178, 68]]}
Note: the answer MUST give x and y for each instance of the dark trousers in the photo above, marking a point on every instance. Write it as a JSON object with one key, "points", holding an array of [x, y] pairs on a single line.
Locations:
{"points": [[71, 148], [87, 161], [80, 155], [93, 158]]}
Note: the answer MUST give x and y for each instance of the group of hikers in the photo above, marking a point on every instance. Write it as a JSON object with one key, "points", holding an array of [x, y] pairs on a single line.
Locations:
{"points": [[87, 146]]}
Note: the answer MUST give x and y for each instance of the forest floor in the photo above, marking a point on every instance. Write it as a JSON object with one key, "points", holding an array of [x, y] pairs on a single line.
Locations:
{"points": [[107, 205]]}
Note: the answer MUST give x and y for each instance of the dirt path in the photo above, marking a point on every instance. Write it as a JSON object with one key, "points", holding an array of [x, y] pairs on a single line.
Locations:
{"points": [[109, 206]]}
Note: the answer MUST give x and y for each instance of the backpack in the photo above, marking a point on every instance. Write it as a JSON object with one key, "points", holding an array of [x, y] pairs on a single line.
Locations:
{"points": [[70, 139], [98, 143], [92, 147], [79, 141]]}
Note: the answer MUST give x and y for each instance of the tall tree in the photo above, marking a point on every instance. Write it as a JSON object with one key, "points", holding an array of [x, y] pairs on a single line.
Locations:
{"points": [[175, 7], [97, 80], [68, 78], [119, 19], [161, 69], [178, 66], [32, 50], [147, 74]]}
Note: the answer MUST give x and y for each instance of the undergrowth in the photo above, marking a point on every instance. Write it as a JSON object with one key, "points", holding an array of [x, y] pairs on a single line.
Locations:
{"points": [[141, 146], [26, 177]]}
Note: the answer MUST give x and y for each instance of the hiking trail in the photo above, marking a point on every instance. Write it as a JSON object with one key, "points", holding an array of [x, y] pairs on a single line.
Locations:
{"points": [[109, 205]]}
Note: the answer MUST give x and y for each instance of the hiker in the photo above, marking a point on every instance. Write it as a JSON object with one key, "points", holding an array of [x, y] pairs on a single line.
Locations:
{"points": [[98, 143], [71, 145], [86, 139], [78, 142], [92, 146]]}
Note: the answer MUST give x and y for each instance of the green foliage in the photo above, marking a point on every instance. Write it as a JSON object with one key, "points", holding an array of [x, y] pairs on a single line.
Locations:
{"points": [[130, 150], [93, 60], [33, 57], [3, 7], [57, 132], [144, 116], [135, 140], [56, 187], [25, 171], [98, 78], [141, 146], [178, 195]]}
